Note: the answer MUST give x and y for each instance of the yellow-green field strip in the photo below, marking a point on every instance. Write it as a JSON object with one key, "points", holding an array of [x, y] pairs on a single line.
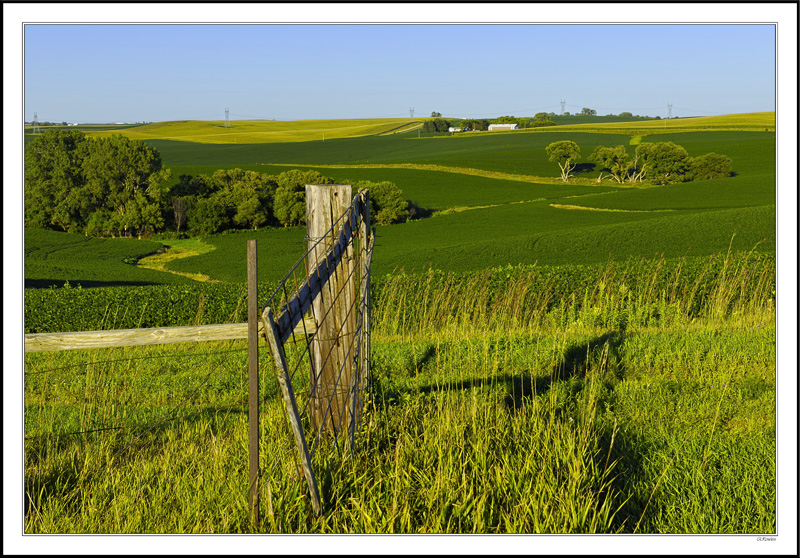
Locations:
{"points": [[464, 170], [584, 208]]}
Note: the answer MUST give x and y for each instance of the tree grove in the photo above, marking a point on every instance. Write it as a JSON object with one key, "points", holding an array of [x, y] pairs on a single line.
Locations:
{"points": [[116, 186]]}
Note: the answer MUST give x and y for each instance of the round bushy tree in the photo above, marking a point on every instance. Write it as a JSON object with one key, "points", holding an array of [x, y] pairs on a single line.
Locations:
{"points": [[387, 205], [710, 165], [666, 161]]}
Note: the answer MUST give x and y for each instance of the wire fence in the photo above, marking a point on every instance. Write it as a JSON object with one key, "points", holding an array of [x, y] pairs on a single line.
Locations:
{"points": [[322, 366], [125, 388]]}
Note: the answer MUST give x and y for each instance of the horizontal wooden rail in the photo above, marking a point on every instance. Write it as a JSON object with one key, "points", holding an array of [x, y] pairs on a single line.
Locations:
{"points": [[64, 341]]}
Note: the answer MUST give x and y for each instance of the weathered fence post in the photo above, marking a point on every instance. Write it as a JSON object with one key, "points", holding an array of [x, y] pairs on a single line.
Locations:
{"points": [[253, 318], [333, 346]]}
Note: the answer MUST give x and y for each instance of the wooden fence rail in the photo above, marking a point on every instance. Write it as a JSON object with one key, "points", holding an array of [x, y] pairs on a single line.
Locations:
{"points": [[64, 341]]}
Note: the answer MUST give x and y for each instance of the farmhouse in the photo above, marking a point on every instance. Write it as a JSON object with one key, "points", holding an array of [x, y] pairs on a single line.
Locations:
{"points": [[498, 127], [452, 129]]}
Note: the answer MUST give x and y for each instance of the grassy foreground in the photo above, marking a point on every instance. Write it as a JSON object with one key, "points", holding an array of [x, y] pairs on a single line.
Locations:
{"points": [[633, 408]]}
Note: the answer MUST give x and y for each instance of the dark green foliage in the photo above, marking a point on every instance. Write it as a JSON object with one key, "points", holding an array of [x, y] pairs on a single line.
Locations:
{"points": [[248, 195], [660, 163], [664, 162], [106, 186], [474, 125], [290, 196], [435, 125], [387, 205], [710, 165], [208, 216], [53, 180]]}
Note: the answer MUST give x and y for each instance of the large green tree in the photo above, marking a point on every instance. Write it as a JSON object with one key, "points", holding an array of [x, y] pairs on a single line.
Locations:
{"points": [[564, 153], [666, 161], [126, 177], [247, 194], [111, 185], [54, 179]]}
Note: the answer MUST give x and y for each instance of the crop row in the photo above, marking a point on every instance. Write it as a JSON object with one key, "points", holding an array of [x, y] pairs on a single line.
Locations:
{"points": [[407, 300]]}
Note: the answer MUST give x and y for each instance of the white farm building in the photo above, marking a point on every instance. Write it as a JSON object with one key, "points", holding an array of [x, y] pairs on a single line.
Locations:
{"points": [[499, 127]]}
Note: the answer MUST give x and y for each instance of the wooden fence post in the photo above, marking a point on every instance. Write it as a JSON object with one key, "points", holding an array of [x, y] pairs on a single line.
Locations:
{"points": [[333, 345], [253, 317]]}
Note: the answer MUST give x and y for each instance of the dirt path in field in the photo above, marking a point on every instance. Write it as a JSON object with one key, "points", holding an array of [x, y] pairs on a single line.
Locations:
{"points": [[176, 250]]}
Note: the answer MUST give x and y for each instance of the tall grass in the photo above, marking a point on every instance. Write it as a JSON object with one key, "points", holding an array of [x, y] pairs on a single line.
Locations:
{"points": [[615, 295], [639, 399]]}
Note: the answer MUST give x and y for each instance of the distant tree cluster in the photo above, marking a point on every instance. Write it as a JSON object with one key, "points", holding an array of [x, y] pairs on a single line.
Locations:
{"points": [[116, 186], [436, 125], [474, 124], [658, 163]]}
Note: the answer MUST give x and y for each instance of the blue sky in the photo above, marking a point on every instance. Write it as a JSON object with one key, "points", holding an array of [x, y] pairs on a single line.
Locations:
{"points": [[111, 73]]}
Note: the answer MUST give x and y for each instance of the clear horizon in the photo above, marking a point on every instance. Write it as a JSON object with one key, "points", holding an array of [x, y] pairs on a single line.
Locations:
{"points": [[158, 72]]}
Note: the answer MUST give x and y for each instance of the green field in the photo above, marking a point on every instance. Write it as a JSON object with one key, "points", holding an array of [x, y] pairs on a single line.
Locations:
{"points": [[751, 121], [261, 131], [547, 357], [54, 258]]}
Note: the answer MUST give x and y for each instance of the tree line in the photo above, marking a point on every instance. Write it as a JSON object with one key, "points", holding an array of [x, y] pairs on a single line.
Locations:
{"points": [[116, 186], [662, 162], [438, 124]]}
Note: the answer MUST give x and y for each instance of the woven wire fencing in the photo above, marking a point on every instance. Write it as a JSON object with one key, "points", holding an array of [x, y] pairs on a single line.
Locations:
{"points": [[317, 325]]}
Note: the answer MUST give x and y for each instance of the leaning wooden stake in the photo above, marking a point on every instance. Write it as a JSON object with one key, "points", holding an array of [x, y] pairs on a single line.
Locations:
{"points": [[285, 381], [252, 372]]}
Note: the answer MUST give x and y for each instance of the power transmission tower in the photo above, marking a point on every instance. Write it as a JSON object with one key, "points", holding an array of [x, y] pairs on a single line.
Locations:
{"points": [[563, 102], [36, 123], [411, 112], [227, 118], [669, 113]]}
